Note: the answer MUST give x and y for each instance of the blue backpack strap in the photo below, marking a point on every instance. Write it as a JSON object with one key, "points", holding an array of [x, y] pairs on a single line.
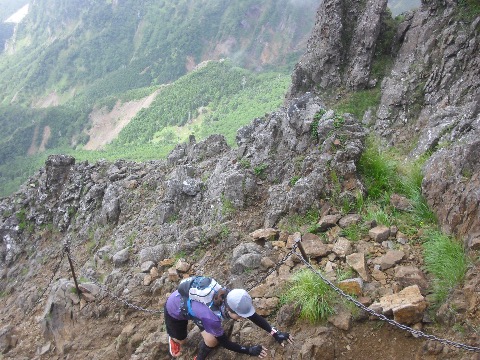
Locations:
{"points": [[189, 308]]}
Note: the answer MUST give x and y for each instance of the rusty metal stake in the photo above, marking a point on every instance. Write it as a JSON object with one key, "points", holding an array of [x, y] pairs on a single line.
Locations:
{"points": [[67, 250], [302, 251]]}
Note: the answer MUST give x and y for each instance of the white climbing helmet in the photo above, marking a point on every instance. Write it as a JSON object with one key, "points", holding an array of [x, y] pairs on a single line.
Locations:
{"points": [[240, 302]]}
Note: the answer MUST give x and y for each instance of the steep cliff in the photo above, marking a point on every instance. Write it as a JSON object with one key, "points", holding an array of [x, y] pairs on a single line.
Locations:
{"points": [[430, 103], [341, 49], [429, 99]]}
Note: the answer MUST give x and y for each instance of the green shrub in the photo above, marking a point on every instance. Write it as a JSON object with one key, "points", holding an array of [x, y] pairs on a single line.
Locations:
{"points": [[294, 180], [260, 170], [444, 259], [23, 222], [379, 214], [338, 121], [315, 298]]}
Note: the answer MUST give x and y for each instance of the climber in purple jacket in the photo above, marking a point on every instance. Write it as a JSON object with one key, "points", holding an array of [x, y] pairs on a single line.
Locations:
{"points": [[237, 304]]}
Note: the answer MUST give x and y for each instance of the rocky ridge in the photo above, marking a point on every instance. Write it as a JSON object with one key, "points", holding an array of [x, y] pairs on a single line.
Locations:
{"points": [[135, 229]]}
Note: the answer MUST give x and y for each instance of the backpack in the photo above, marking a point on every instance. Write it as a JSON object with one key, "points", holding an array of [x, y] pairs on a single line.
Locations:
{"points": [[204, 290]]}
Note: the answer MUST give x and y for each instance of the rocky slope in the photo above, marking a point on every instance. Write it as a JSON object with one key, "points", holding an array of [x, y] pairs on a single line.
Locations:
{"points": [[134, 229], [429, 99]]}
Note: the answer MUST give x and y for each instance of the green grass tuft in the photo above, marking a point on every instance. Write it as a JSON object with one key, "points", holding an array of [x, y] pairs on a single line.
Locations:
{"points": [[315, 298], [380, 215], [354, 232], [379, 170], [410, 185], [445, 259]]}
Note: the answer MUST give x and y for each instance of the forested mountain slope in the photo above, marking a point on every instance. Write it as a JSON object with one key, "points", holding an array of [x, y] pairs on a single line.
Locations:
{"points": [[67, 59], [65, 46]]}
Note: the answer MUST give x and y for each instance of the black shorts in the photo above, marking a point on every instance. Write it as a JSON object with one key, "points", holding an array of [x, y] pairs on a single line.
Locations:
{"points": [[176, 329]]}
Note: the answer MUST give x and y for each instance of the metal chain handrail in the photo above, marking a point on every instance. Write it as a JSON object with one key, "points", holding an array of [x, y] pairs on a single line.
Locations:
{"points": [[416, 333], [54, 273], [281, 262], [104, 288]]}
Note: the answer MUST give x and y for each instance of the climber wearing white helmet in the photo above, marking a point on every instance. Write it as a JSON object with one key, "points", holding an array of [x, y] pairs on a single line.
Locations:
{"points": [[233, 304]]}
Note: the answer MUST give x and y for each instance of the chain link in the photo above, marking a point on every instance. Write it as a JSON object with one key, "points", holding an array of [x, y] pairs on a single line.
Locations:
{"points": [[108, 292], [281, 262], [54, 273], [416, 333]]}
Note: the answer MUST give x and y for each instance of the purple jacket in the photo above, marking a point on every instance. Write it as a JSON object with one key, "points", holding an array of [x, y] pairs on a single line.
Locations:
{"points": [[210, 322]]}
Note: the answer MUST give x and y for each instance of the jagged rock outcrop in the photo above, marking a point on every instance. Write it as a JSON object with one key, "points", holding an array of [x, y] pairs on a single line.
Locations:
{"points": [[452, 187], [433, 91], [173, 206], [341, 48]]}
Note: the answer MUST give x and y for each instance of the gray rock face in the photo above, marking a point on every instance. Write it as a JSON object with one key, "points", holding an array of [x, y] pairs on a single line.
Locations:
{"points": [[433, 91], [320, 64], [363, 45], [194, 152], [432, 68], [57, 169], [191, 186], [341, 47], [110, 205], [11, 241], [288, 133], [56, 320], [8, 339], [451, 186]]}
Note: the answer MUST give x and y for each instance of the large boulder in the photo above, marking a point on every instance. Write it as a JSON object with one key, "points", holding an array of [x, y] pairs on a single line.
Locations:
{"points": [[407, 306]]}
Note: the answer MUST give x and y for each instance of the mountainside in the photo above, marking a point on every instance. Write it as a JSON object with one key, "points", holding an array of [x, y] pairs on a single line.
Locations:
{"points": [[217, 97], [68, 61], [302, 172], [64, 47], [9, 7]]}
